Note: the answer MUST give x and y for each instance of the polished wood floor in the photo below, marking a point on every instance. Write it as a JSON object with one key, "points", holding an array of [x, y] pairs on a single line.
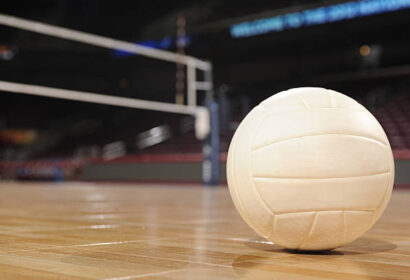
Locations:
{"points": [[90, 231]]}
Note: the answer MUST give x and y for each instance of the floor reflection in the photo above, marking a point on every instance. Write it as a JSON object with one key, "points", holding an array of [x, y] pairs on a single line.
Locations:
{"points": [[341, 263]]}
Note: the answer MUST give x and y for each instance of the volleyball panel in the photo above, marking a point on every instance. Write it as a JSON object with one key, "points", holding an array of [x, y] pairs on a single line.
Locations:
{"points": [[290, 195], [280, 127], [239, 175], [321, 156], [307, 98]]}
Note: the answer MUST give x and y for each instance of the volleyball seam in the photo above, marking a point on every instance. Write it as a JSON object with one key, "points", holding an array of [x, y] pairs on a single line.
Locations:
{"points": [[321, 134]]}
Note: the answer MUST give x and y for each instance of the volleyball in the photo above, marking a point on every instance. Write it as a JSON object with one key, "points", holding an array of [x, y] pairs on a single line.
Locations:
{"points": [[310, 169]]}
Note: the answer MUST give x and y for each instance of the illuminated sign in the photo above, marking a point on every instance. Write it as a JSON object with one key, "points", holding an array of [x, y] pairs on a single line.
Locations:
{"points": [[316, 16]]}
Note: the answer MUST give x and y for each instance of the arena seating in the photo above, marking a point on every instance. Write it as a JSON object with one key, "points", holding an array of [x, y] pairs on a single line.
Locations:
{"points": [[395, 119]]}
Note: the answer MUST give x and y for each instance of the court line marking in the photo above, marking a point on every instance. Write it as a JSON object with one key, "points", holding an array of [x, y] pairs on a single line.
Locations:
{"points": [[145, 275], [103, 243], [100, 226], [250, 240], [93, 244], [173, 260], [136, 255]]}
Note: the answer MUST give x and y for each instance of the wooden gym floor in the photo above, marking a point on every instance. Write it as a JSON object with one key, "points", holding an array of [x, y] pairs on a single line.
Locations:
{"points": [[111, 231]]}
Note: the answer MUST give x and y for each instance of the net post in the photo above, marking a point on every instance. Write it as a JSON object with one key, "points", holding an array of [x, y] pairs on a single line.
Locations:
{"points": [[191, 83], [210, 147], [208, 78]]}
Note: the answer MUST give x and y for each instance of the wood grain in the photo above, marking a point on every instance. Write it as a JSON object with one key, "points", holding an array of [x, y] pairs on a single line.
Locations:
{"points": [[112, 231]]}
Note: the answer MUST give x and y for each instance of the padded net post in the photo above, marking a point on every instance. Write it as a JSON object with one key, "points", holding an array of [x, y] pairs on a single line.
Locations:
{"points": [[210, 148]]}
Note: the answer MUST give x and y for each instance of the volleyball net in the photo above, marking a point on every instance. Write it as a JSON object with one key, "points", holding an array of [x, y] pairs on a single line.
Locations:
{"points": [[192, 64], [203, 127]]}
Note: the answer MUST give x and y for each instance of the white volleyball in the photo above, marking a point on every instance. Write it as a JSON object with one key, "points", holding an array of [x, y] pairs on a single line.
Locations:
{"points": [[310, 169]]}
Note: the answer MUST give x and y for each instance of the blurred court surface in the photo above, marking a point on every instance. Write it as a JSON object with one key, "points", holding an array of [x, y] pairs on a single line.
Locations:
{"points": [[128, 231]]}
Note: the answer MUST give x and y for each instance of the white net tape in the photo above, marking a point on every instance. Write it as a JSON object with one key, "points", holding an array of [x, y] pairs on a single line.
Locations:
{"points": [[101, 41], [202, 123]]}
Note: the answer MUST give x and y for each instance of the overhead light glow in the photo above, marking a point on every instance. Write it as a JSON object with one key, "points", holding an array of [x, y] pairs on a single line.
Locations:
{"points": [[316, 16], [364, 50]]}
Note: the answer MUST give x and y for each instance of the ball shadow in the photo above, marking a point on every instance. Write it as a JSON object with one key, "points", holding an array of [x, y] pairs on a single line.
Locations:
{"points": [[367, 245], [363, 245], [274, 262]]}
